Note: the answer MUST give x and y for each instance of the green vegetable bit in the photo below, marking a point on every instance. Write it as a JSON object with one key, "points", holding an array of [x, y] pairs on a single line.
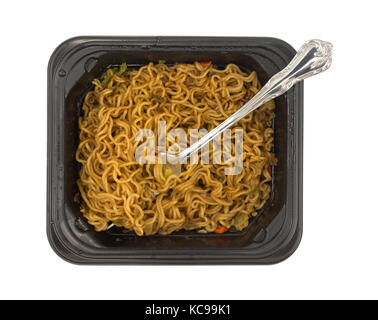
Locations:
{"points": [[122, 69], [111, 73]]}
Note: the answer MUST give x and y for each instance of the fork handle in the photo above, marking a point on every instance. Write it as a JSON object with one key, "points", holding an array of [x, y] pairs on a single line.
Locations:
{"points": [[313, 57]]}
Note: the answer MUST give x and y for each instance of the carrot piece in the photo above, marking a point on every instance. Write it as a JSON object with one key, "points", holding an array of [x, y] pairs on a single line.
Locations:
{"points": [[205, 64], [221, 229]]}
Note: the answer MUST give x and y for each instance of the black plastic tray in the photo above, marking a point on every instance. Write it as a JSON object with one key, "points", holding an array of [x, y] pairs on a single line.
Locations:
{"points": [[271, 237]]}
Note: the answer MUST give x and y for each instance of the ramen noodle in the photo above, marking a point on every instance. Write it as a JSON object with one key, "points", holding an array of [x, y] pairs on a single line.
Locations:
{"points": [[150, 198]]}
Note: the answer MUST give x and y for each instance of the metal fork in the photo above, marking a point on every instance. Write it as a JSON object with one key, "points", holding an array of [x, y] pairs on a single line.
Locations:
{"points": [[313, 57]]}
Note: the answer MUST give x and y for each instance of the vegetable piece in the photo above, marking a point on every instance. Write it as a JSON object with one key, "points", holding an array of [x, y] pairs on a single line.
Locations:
{"points": [[205, 63], [107, 78], [122, 69], [221, 229], [110, 74], [241, 221]]}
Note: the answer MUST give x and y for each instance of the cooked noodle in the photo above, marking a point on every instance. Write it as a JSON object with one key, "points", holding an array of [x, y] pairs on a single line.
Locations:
{"points": [[148, 199]]}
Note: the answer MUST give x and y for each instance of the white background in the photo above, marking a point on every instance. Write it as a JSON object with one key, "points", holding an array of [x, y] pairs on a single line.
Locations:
{"points": [[338, 255]]}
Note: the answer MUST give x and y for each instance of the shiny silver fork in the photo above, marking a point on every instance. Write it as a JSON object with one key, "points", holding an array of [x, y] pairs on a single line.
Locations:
{"points": [[313, 57]]}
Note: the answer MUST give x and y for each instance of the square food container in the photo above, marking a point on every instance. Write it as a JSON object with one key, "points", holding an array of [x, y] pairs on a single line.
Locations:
{"points": [[269, 238]]}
